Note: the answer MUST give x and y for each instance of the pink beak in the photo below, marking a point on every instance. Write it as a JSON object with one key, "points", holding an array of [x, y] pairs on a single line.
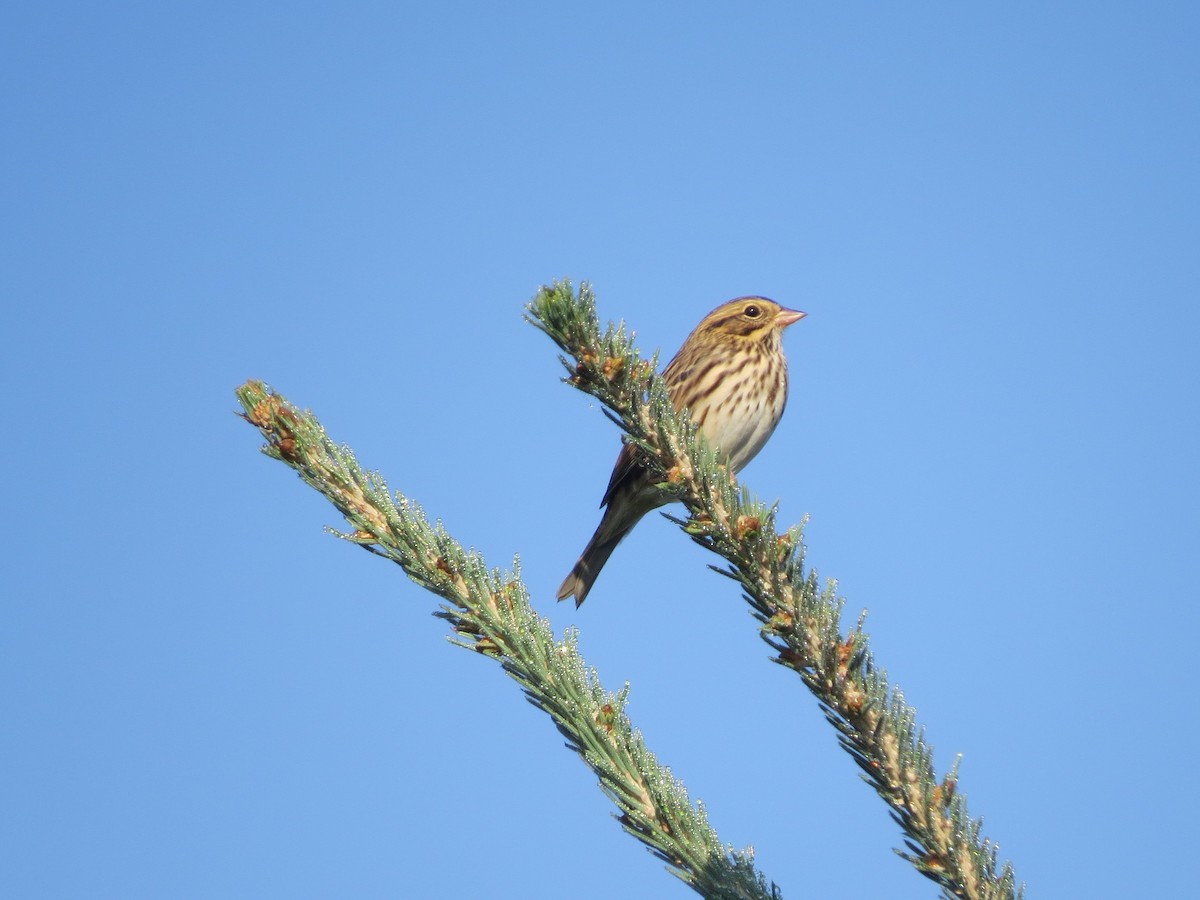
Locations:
{"points": [[786, 317]]}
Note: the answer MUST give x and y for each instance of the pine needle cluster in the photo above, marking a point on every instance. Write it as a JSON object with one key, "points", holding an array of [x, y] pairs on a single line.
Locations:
{"points": [[799, 619]]}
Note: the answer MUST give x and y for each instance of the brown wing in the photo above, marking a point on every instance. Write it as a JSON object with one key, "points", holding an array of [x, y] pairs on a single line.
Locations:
{"points": [[631, 464], [630, 468]]}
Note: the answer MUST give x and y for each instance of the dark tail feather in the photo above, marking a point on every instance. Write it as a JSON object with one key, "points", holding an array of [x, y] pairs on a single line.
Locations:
{"points": [[583, 575], [627, 500]]}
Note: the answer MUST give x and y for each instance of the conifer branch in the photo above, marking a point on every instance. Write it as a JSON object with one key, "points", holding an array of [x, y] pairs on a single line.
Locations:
{"points": [[489, 613], [800, 620]]}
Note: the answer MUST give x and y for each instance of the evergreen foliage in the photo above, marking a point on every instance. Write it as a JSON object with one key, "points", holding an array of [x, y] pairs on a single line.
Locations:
{"points": [[800, 620]]}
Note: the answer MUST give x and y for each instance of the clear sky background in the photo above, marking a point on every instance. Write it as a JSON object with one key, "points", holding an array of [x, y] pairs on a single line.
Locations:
{"points": [[992, 217]]}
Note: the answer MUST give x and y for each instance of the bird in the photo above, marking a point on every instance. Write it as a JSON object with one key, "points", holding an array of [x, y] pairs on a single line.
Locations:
{"points": [[731, 376]]}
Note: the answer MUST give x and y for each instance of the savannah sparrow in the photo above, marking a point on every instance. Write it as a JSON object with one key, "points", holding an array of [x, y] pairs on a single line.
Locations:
{"points": [[731, 375]]}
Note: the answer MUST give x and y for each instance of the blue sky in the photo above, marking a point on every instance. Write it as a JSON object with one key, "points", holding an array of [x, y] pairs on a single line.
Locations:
{"points": [[991, 217]]}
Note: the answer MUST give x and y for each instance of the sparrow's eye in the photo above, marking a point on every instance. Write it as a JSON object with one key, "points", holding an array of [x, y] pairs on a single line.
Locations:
{"points": [[752, 311]]}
